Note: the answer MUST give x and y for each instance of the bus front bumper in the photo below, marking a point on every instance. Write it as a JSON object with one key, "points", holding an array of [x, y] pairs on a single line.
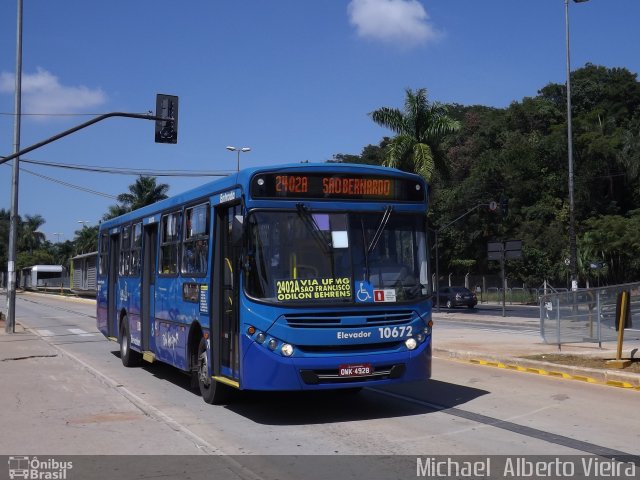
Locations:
{"points": [[266, 370]]}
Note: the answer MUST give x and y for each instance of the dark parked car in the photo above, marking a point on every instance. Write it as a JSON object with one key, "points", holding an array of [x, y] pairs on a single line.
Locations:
{"points": [[456, 297]]}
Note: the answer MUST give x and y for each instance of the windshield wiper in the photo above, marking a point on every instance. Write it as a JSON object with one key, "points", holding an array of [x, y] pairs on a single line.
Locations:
{"points": [[381, 226], [313, 227], [375, 239]]}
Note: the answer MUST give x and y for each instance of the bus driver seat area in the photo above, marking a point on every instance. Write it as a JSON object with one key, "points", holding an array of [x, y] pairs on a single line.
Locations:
{"points": [[387, 273], [308, 261]]}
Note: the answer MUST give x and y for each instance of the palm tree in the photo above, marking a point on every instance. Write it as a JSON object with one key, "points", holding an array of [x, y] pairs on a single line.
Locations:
{"points": [[419, 133], [86, 240], [143, 192], [30, 238], [115, 211]]}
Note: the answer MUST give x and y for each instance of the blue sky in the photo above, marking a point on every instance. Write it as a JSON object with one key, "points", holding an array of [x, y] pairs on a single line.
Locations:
{"points": [[292, 79]]}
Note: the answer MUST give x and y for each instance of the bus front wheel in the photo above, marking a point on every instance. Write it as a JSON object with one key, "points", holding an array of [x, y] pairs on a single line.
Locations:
{"points": [[130, 358], [212, 391]]}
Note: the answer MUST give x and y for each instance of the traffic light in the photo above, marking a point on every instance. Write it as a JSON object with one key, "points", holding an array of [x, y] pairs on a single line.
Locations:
{"points": [[504, 206], [167, 130]]}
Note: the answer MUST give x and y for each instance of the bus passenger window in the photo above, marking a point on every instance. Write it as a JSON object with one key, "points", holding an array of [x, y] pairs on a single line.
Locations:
{"points": [[169, 244], [125, 250], [104, 254], [136, 246], [195, 248]]}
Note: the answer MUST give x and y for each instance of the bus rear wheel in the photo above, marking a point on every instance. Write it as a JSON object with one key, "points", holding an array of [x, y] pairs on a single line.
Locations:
{"points": [[212, 391], [130, 358]]}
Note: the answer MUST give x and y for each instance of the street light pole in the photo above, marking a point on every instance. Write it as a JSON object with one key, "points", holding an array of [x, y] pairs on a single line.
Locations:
{"points": [[573, 247], [239, 150]]}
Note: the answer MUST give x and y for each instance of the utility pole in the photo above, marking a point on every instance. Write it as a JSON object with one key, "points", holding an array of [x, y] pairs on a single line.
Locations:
{"points": [[11, 287], [13, 219]]}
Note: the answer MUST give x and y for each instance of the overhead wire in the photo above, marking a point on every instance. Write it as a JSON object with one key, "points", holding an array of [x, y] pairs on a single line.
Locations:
{"points": [[67, 184], [110, 170], [131, 171], [70, 185]]}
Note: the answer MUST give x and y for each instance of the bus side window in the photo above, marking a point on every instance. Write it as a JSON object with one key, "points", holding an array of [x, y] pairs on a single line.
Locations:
{"points": [[125, 250], [195, 247], [136, 245], [169, 244]]}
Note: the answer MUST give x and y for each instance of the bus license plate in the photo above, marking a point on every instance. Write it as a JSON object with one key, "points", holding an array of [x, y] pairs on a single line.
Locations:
{"points": [[355, 370]]}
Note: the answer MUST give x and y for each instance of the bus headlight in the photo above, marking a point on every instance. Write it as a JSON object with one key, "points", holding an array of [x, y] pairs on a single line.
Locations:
{"points": [[411, 343], [420, 337], [273, 343], [261, 337], [287, 350], [427, 329]]}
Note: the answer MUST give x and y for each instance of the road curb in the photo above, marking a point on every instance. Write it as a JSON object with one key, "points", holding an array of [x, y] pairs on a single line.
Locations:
{"points": [[70, 298], [609, 378]]}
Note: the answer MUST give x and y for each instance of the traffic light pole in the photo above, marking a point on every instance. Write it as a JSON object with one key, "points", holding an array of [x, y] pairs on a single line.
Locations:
{"points": [[11, 269], [80, 127]]}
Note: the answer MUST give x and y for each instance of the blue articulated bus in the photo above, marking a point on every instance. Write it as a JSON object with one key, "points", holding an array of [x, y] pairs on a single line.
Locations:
{"points": [[298, 277]]}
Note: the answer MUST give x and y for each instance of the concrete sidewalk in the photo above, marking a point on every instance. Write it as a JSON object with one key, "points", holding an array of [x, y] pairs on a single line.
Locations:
{"points": [[54, 405], [498, 347]]}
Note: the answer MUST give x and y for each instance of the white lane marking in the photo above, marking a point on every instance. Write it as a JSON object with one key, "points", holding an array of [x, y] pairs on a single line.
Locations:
{"points": [[80, 332], [45, 333]]}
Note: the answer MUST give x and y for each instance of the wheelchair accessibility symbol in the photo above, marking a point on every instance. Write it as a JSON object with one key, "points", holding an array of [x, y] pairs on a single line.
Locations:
{"points": [[364, 292]]}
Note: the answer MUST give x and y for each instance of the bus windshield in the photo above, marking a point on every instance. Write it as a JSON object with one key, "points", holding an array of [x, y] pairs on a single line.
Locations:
{"points": [[305, 256]]}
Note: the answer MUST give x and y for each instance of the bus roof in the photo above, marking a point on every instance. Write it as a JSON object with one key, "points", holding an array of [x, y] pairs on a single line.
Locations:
{"points": [[242, 178]]}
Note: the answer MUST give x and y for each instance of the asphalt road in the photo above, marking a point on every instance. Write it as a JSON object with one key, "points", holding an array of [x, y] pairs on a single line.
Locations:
{"points": [[494, 309], [464, 409]]}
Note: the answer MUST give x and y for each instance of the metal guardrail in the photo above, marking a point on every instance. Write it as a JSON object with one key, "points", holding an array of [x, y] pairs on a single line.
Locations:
{"points": [[587, 315]]}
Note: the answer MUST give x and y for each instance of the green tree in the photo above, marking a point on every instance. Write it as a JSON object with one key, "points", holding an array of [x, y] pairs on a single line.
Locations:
{"points": [[37, 257], [521, 152], [614, 240], [29, 238], [420, 130], [86, 240], [115, 211], [371, 155], [62, 253], [144, 191]]}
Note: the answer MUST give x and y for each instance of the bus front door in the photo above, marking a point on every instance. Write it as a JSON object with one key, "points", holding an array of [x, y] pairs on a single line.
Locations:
{"points": [[147, 294], [112, 304], [225, 324]]}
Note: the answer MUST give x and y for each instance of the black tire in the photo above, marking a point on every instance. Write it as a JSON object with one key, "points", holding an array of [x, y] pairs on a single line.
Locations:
{"points": [[130, 358], [212, 391], [449, 304], [471, 307]]}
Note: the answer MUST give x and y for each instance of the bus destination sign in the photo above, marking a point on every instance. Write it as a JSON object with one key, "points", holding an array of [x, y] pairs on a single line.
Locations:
{"points": [[336, 186]]}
